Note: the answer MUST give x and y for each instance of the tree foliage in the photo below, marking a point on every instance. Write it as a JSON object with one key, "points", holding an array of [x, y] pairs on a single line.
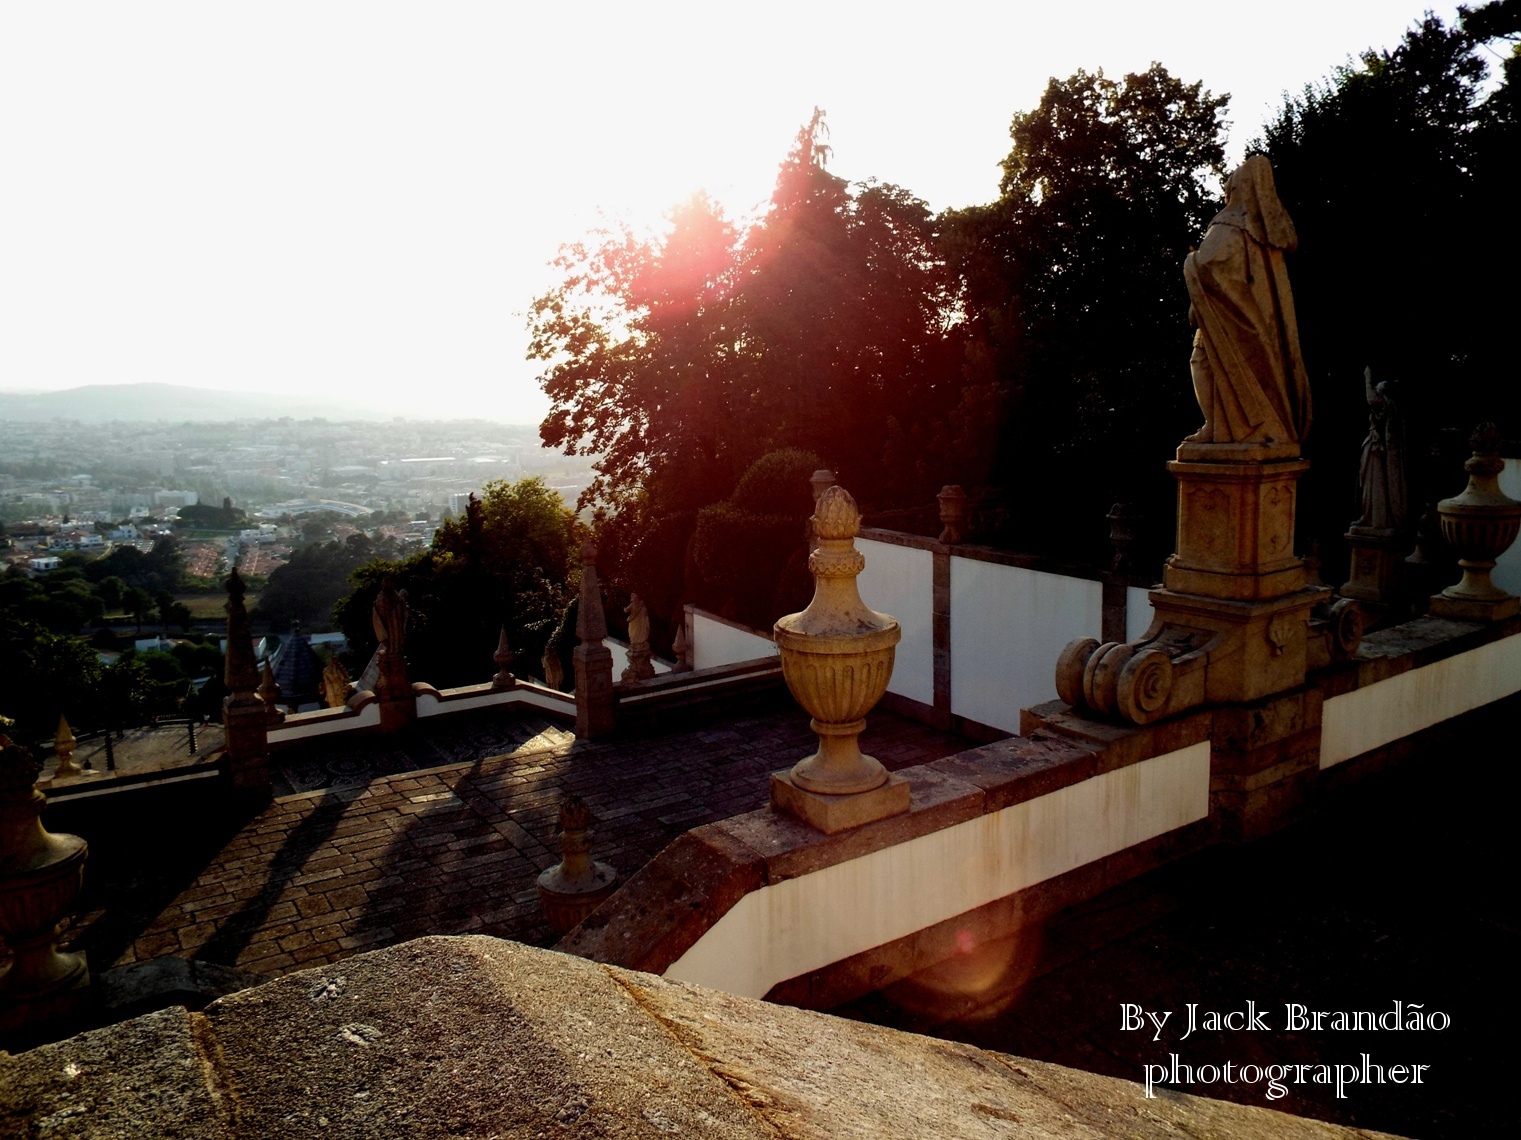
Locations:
{"points": [[512, 560], [1391, 169], [1075, 289], [704, 349]]}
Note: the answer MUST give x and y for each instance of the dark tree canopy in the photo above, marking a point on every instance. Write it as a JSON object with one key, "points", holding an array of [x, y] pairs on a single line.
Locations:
{"points": [[830, 316], [1078, 309], [1392, 170]]}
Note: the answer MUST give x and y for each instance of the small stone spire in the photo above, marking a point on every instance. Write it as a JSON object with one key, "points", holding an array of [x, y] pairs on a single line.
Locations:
{"points": [[242, 672], [244, 715], [503, 658], [591, 620], [63, 746], [269, 692]]}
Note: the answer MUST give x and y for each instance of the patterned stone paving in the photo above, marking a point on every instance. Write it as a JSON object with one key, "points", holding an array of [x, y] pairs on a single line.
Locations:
{"points": [[315, 877], [447, 740]]}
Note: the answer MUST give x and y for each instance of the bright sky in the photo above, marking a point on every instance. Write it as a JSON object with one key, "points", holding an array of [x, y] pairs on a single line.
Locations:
{"points": [[361, 198]]}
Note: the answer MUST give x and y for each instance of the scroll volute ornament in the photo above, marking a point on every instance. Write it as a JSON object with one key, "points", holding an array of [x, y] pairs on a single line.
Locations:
{"points": [[837, 655]]}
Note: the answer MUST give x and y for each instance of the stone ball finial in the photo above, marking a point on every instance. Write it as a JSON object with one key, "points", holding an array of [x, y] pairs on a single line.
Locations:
{"points": [[836, 516]]}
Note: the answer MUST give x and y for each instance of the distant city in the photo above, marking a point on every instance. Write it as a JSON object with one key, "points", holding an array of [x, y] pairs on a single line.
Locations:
{"points": [[70, 484]]}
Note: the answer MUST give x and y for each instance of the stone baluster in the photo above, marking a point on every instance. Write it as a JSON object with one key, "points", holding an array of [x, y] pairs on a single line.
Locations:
{"points": [[40, 877], [837, 657], [576, 885], [244, 714], [593, 660]]}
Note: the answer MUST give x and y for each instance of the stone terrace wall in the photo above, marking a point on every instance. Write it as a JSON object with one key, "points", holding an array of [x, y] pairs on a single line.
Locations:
{"points": [[1013, 831]]}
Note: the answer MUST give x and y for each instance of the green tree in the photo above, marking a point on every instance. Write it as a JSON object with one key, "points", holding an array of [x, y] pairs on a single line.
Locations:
{"points": [[1077, 308], [1384, 167], [44, 675], [513, 560], [708, 347]]}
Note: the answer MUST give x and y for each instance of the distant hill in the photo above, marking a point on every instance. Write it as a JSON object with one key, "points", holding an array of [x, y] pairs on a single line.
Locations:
{"points": [[172, 403]]}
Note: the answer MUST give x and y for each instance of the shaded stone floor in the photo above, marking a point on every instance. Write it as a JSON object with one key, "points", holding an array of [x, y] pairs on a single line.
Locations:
{"points": [[1401, 889], [316, 877]]}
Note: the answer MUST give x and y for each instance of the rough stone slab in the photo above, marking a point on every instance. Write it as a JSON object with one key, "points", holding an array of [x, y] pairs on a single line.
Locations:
{"points": [[479, 1037], [468, 1036], [149, 1077], [819, 1077]]}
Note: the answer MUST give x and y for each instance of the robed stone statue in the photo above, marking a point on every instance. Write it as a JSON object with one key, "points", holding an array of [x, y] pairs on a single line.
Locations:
{"points": [[1247, 371]]}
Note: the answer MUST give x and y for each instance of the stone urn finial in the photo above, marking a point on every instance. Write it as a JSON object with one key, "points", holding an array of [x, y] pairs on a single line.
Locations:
{"points": [[953, 513], [40, 877], [837, 657], [576, 885], [1480, 524]]}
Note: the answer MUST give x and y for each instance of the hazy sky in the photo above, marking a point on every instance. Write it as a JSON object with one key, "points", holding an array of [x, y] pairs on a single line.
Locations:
{"points": [[360, 198]]}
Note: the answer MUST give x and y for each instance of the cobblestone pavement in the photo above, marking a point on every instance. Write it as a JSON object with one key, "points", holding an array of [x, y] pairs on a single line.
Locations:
{"points": [[316, 877]]}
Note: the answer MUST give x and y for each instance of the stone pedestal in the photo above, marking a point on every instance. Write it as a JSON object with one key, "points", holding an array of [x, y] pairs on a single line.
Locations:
{"points": [[594, 690], [1377, 580], [1233, 622], [1236, 529], [834, 813]]}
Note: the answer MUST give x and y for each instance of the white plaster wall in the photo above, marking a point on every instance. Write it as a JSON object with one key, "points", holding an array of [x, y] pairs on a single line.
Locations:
{"points": [[719, 643], [1507, 571], [620, 660], [293, 727], [429, 705], [1375, 715], [900, 581], [1138, 612], [800, 925], [1008, 626]]}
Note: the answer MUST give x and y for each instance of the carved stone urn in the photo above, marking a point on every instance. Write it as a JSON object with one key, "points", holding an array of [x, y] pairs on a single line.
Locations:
{"points": [[1480, 524], [575, 886], [837, 655], [40, 877]]}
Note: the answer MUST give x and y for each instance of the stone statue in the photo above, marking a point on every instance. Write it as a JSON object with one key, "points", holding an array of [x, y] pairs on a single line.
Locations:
{"points": [[335, 684], [1248, 375], [638, 621], [640, 667], [554, 672], [1381, 475], [389, 617]]}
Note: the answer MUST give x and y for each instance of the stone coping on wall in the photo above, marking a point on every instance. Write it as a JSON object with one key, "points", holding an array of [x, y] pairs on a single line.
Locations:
{"points": [[477, 1036], [665, 908]]}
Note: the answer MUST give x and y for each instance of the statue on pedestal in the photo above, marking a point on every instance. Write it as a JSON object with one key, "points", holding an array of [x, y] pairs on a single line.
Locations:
{"points": [[1248, 375], [1381, 475]]}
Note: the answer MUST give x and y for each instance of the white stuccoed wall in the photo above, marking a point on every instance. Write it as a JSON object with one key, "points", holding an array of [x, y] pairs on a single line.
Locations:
{"points": [[1375, 715], [899, 580], [1507, 571], [1008, 626], [799, 925], [716, 642], [1138, 613]]}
